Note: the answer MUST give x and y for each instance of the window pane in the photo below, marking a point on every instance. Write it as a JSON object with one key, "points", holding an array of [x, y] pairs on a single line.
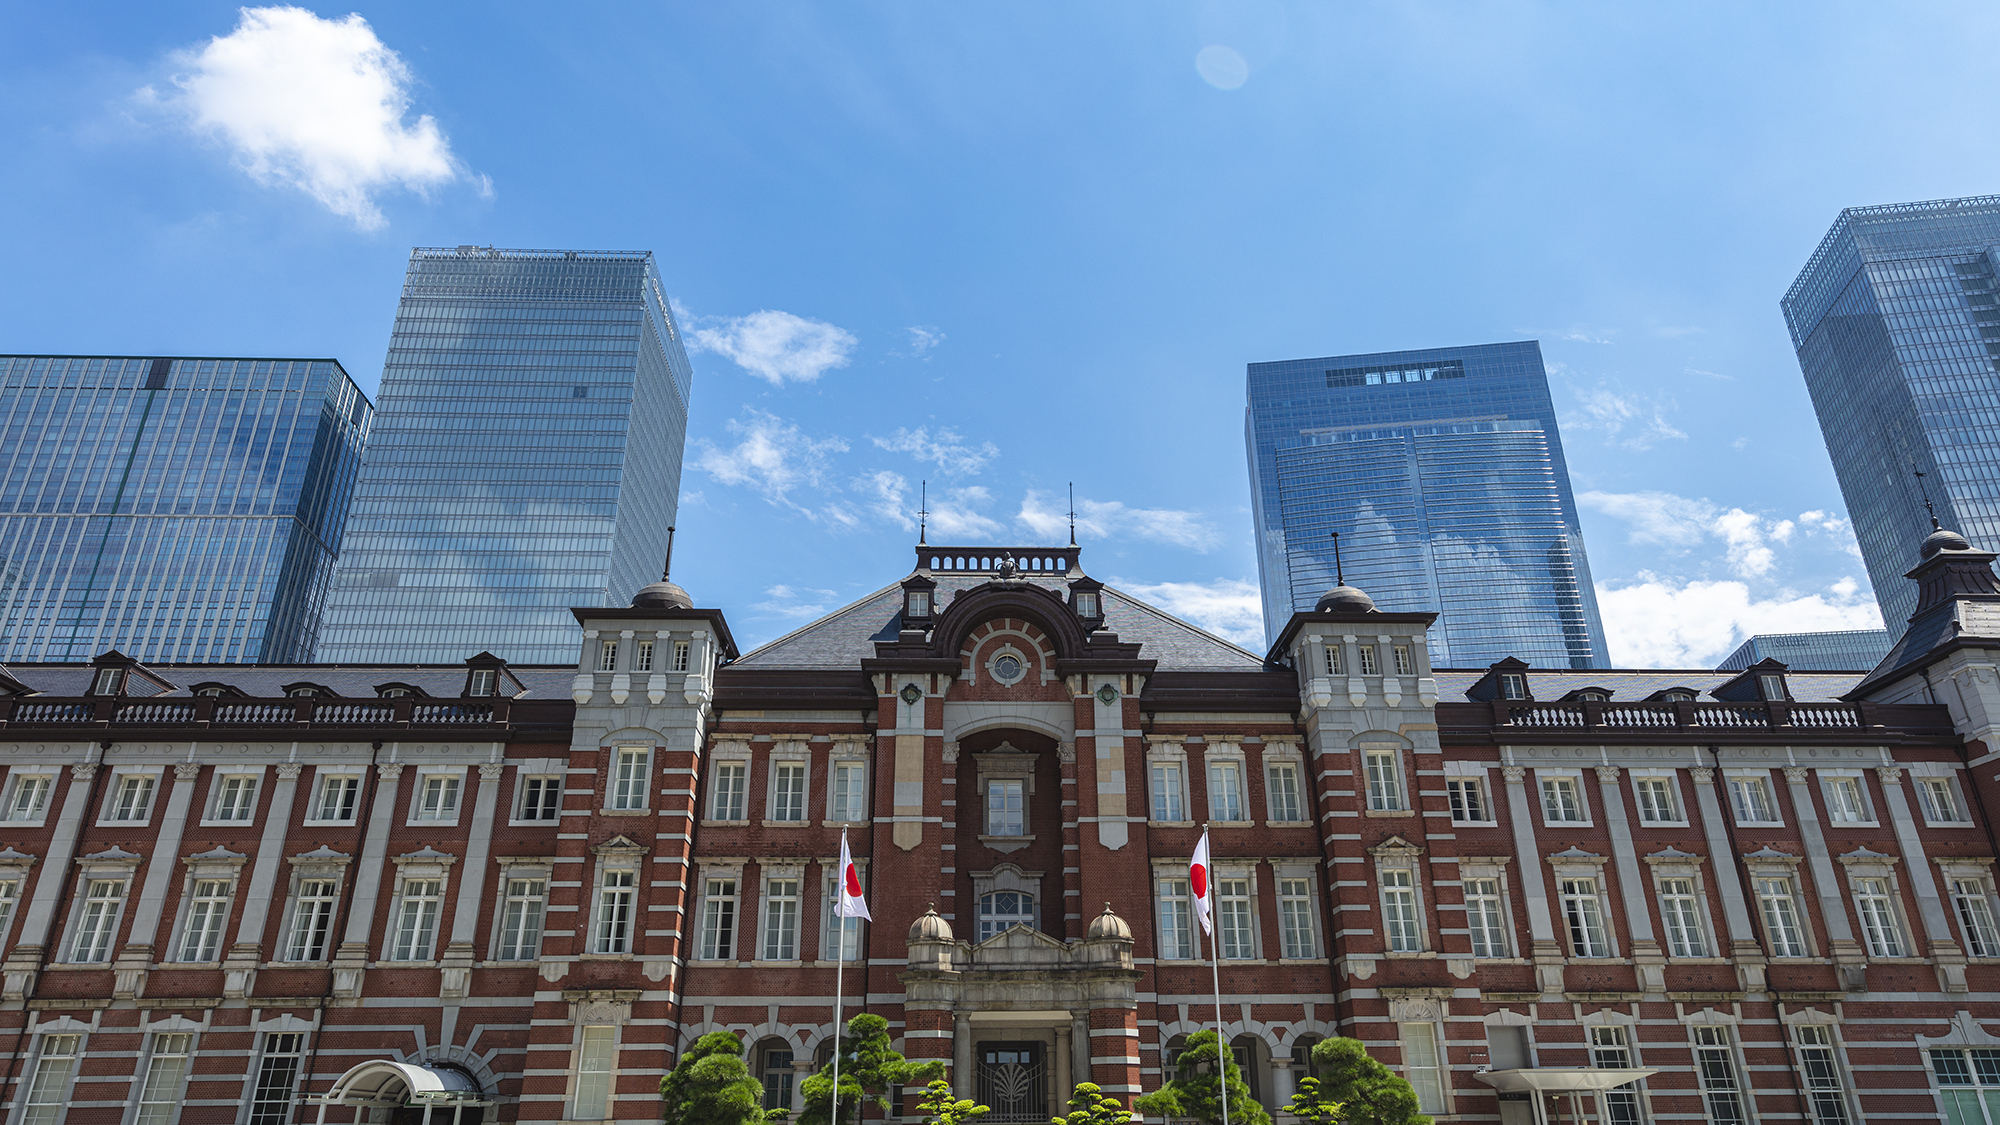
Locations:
{"points": [[718, 932], [596, 1060], [1167, 797]]}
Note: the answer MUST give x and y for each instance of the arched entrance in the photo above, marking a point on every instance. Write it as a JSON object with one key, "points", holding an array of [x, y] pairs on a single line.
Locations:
{"points": [[399, 1093]]}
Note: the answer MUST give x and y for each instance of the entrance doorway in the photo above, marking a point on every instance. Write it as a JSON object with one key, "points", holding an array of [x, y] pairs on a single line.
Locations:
{"points": [[1013, 1083]]}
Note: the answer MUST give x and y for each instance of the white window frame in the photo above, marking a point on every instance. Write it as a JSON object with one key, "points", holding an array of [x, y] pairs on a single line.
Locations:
{"points": [[616, 891], [682, 649], [769, 876], [1669, 779], [421, 812], [1954, 791], [1571, 869], [415, 869], [1289, 878], [1245, 905], [219, 786], [1775, 867], [524, 882], [1461, 775], [306, 869], [1007, 766], [1493, 869], [37, 1108], [210, 875], [591, 1040], [1718, 1040], [550, 775], [324, 778], [1684, 884], [630, 781], [1428, 1080], [1737, 782], [829, 923], [114, 798], [44, 785], [12, 877], [789, 756], [1399, 876], [1876, 896], [1966, 881], [642, 656], [103, 930], [847, 757], [732, 756], [607, 654], [1174, 910], [1170, 757], [1279, 758], [1824, 1071], [720, 883], [1227, 760], [1384, 790], [1865, 815], [156, 1096], [1549, 783]]}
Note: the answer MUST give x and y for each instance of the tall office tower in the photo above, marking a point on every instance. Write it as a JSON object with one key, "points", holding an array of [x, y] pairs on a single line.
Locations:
{"points": [[1847, 650], [1896, 321], [1443, 473], [177, 510], [526, 459]]}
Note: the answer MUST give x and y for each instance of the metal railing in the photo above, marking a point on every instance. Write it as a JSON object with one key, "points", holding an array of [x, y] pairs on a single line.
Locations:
{"points": [[290, 711], [1604, 715]]}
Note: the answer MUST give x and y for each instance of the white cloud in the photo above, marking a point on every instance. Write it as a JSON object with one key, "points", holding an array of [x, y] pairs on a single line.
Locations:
{"points": [[953, 515], [774, 457], [946, 449], [1111, 519], [773, 345], [1228, 607], [315, 103], [1680, 523], [1659, 622], [1222, 67], [795, 601], [922, 339], [1630, 421]]}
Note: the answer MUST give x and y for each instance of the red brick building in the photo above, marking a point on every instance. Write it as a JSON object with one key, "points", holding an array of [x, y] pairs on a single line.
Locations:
{"points": [[261, 894]]}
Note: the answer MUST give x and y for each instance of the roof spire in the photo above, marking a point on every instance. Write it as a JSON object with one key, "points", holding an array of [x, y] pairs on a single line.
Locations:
{"points": [[923, 513], [1925, 493], [1072, 513], [667, 567], [1339, 579]]}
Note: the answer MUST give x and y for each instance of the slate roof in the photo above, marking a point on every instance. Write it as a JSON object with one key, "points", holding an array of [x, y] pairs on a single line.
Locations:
{"points": [[266, 681], [1957, 619], [845, 637], [1632, 686]]}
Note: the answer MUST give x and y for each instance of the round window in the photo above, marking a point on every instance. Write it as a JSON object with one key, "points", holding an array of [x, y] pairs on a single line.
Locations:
{"points": [[1007, 669]]}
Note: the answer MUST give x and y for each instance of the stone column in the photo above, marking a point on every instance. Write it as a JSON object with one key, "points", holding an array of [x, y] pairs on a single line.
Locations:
{"points": [[23, 959], [1743, 947], [1945, 952], [1547, 953], [961, 1055], [1065, 1083], [802, 1069], [1847, 956], [1646, 954], [1281, 1080], [239, 969], [1108, 738], [1079, 1046], [459, 954], [351, 960]]}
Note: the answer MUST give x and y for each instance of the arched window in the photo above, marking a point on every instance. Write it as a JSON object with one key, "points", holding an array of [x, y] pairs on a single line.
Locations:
{"points": [[774, 1070], [1002, 909]]}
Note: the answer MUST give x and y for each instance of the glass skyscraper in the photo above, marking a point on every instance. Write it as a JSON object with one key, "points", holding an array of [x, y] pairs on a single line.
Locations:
{"points": [[526, 458], [1848, 650], [177, 510], [1896, 320], [1443, 473]]}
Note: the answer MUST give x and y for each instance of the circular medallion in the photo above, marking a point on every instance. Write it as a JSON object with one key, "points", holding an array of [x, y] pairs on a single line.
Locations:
{"points": [[1107, 695], [911, 693], [1007, 669]]}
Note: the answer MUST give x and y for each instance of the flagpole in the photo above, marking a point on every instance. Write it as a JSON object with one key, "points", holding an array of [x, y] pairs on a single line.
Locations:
{"points": [[840, 963], [1215, 974]]}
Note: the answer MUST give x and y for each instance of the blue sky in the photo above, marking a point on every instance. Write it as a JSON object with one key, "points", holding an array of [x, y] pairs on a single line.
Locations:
{"points": [[1006, 247]]}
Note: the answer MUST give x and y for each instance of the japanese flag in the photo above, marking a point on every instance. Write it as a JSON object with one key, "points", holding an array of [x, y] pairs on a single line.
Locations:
{"points": [[851, 904], [1198, 882]]}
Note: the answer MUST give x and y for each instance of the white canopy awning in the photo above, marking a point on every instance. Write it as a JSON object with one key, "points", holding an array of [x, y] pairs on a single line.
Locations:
{"points": [[380, 1082], [1563, 1079]]}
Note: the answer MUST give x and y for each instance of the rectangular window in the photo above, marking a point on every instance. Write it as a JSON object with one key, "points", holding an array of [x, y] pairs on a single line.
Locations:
{"points": [[788, 791], [521, 919], [1843, 800], [416, 922], [1824, 1089], [1232, 919], [616, 897], [541, 798], [1225, 791], [1781, 917], [781, 920], [339, 797], [1005, 814], [277, 1079], [1940, 799], [1715, 1063], [1366, 661], [1420, 1063], [1283, 795], [134, 799], [480, 684], [727, 786], [98, 920], [1485, 917], [438, 799], [1562, 802], [1399, 911], [642, 657], [850, 801], [48, 1090], [680, 656], [1752, 798], [1176, 921], [1656, 801], [1583, 913], [628, 784], [30, 795], [774, 1066], [1468, 800], [1609, 1051], [312, 919], [1681, 911], [718, 920], [1295, 916], [607, 656], [236, 797], [1513, 686], [596, 1060], [1878, 918], [10, 890], [208, 906], [1965, 1080], [1169, 801], [1975, 914], [166, 1068], [1385, 781], [1404, 665], [1335, 666]]}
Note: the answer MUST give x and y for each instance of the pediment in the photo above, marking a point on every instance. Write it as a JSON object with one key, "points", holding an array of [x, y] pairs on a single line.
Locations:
{"points": [[1020, 946]]}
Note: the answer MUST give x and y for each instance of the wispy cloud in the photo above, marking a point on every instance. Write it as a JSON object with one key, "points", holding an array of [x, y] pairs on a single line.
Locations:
{"points": [[1659, 622], [1111, 519], [946, 449], [923, 338], [1635, 422], [1749, 540], [954, 514], [794, 601], [319, 104], [775, 458], [776, 346], [1230, 608]]}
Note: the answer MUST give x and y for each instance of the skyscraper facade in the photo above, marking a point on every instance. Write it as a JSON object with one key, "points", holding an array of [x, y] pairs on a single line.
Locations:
{"points": [[1443, 473], [527, 457], [1846, 650], [1896, 320], [182, 510]]}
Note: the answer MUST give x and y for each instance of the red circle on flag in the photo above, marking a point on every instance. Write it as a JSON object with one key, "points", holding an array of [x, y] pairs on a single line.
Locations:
{"points": [[1198, 875], [853, 882]]}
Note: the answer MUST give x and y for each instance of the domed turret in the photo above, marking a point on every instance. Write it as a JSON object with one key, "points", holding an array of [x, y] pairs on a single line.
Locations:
{"points": [[930, 927], [1943, 540], [1108, 925], [666, 593], [1344, 599]]}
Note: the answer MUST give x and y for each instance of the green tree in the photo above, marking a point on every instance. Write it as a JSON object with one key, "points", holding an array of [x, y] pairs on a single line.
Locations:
{"points": [[1368, 1092], [1196, 1092], [1090, 1105], [869, 1067], [1314, 1107], [942, 1107], [709, 1085]]}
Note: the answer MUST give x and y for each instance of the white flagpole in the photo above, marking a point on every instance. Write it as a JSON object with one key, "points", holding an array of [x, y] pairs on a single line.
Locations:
{"points": [[839, 963], [1215, 973]]}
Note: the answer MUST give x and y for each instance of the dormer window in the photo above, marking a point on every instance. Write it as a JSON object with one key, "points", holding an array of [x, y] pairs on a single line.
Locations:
{"points": [[395, 693], [1086, 603], [1513, 685], [303, 692], [1591, 696], [212, 690], [480, 683], [109, 681], [1772, 687], [1677, 696], [919, 603]]}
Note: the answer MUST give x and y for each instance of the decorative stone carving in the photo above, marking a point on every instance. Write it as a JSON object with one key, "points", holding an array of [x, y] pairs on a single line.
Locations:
{"points": [[1415, 1010], [1515, 775], [492, 771], [1890, 775], [389, 771], [1608, 774], [1703, 775], [1796, 775], [83, 771], [186, 771], [289, 771]]}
